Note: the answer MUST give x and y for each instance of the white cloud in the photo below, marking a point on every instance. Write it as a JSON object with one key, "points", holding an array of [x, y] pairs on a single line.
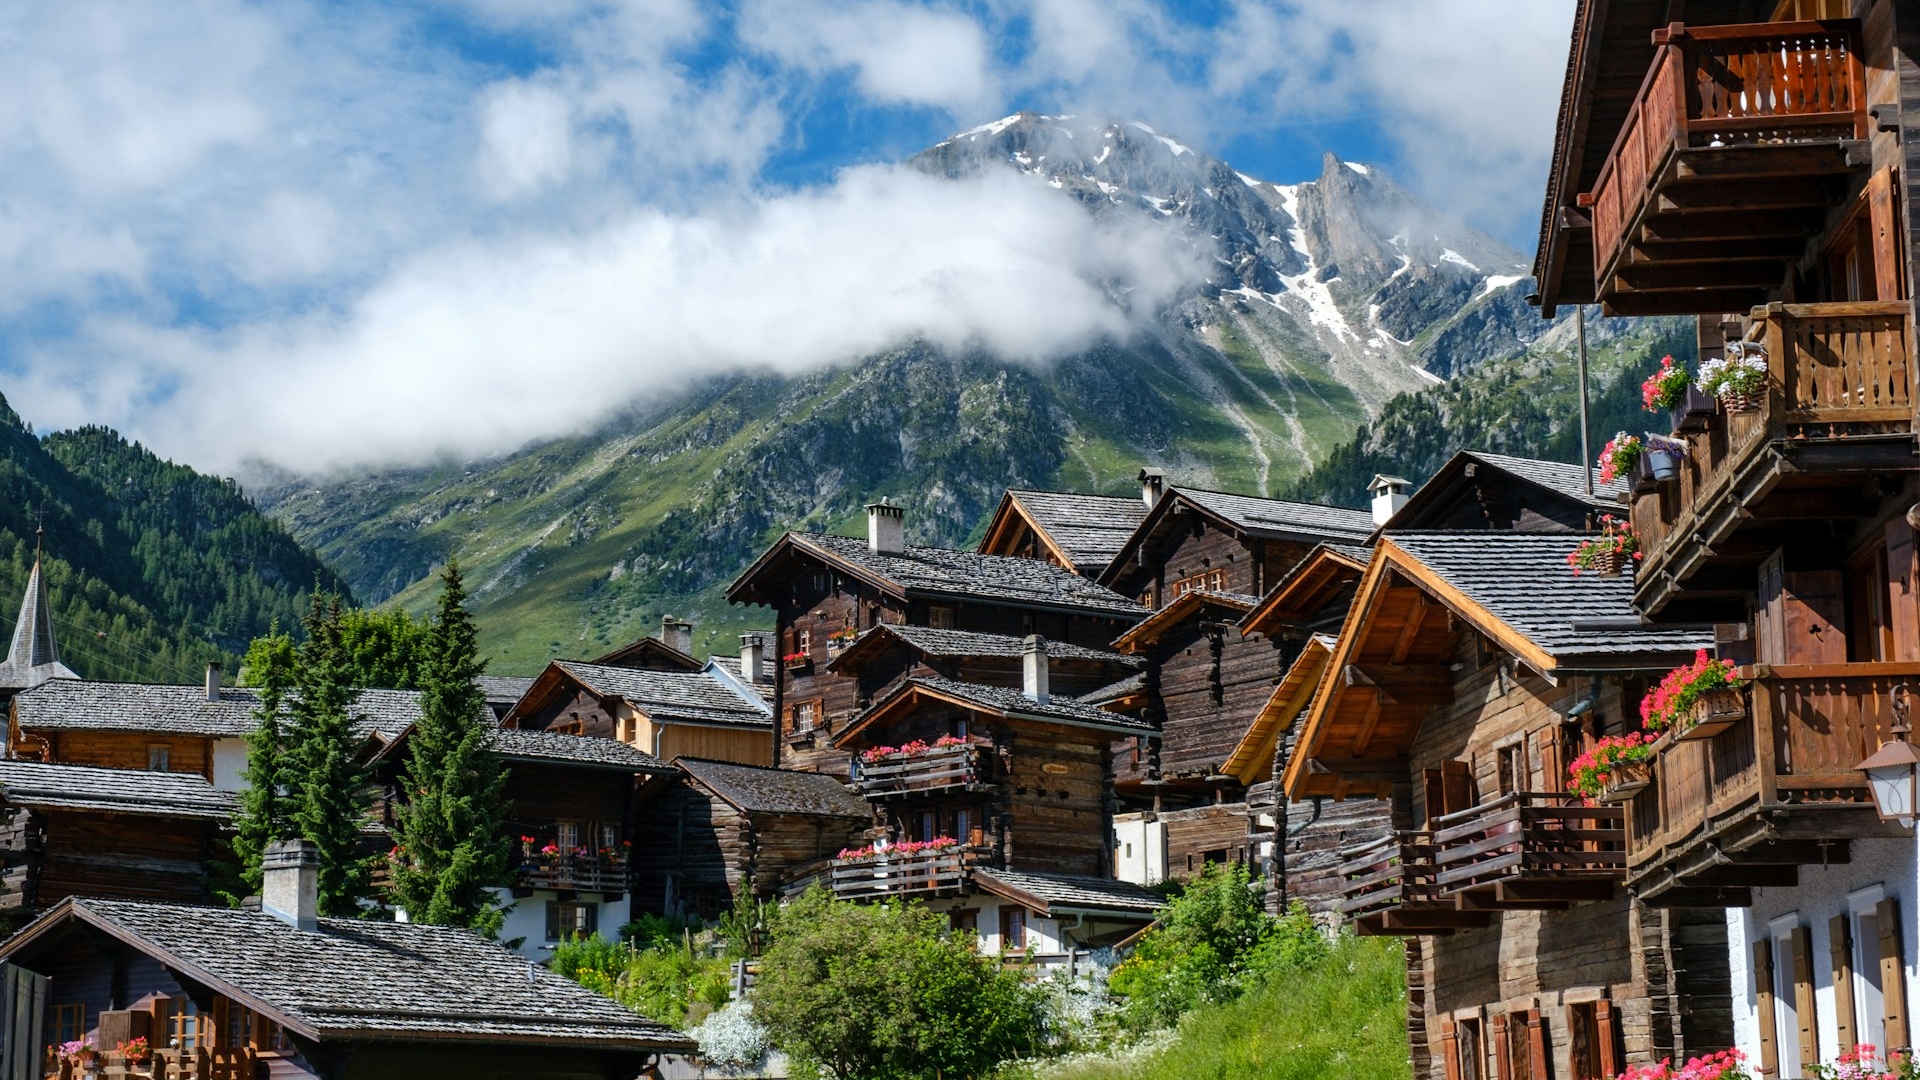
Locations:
{"points": [[526, 138], [900, 53], [476, 347]]}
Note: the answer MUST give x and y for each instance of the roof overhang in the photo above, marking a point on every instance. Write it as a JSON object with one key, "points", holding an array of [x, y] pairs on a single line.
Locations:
{"points": [[912, 694], [987, 883], [1007, 519], [752, 586], [1252, 756], [1146, 633], [1306, 591]]}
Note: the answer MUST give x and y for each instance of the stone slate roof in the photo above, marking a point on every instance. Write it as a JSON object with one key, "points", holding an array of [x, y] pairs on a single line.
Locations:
{"points": [[1277, 516], [966, 644], [1091, 529], [969, 575], [515, 744], [1065, 893], [119, 791], [757, 790], [690, 696], [352, 978], [162, 709], [1130, 686], [503, 689], [731, 664], [1522, 579], [1568, 480], [1008, 699]]}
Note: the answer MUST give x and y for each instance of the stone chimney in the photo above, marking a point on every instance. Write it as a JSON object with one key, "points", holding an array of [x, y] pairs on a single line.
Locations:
{"points": [[213, 681], [677, 633], [1153, 484], [886, 528], [290, 882], [1389, 495], [753, 649], [1033, 669]]}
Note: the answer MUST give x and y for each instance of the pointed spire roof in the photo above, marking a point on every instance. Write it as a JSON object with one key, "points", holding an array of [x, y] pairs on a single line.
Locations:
{"points": [[32, 658]]}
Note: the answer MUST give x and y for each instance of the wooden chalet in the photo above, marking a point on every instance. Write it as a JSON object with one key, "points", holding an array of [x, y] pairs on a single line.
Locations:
{"points": [[573, 826], [971, 780], [76, 830], [725, 831], [503, 692], [1479, 490], [827, 590], [32, 656], [200, 730], [1081, 533], [1212, 541], [232, 994], [1752, 166], [705, 712], [1471, 670]]}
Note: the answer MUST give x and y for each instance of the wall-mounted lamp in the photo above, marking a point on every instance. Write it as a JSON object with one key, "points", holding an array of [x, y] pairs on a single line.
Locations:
{"points": [[1893, 771]]}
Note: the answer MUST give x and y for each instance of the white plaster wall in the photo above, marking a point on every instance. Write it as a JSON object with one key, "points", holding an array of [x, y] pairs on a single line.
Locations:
{"points": [[527, 919], [229, 764], [1894, 865], [1140, 849]]}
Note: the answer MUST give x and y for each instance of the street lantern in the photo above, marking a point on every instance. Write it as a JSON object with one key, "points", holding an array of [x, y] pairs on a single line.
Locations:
{"points": [[1893, 771]]}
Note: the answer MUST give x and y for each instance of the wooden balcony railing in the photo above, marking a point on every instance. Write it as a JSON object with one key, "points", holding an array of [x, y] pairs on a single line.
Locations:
{"points": [[1840, 383], [1742, 88], [225, 1063], [592, 871], [1530, 849], [1778, 789], [885, 874], [1390, 888], [933, 771]]}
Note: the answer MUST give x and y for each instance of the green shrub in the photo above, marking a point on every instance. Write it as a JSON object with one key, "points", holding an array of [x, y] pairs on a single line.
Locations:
{"points": [[668, 983], [863, 992]]}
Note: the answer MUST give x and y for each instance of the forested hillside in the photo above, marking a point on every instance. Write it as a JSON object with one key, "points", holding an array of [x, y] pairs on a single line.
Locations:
{"points": [[153, 568]]}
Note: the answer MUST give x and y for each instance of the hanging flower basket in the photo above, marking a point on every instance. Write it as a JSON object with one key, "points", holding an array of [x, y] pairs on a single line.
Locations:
{"points": [[1695, 412], [1749, 402], [1619, 456], [1739, 379], [1629, 778], [1608, 554], [1714, 711], [1666, 388]]}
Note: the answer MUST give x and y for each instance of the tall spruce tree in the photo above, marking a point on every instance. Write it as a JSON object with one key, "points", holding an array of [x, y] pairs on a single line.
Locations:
{"points": [[450, 835], [329, 788], [264, 802]]}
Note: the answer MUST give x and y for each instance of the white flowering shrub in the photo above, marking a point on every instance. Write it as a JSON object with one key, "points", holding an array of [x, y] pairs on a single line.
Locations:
{"points": [[732, 1037]]}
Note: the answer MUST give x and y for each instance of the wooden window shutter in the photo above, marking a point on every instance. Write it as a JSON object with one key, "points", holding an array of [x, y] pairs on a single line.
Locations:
{"points": [[1883, 216], [1893, 972], [1456, 782], [1840, 946], [1607, 1030], [1764, 1007], [1502, 1058], [217, 1037], [1434, 794], [1553, 774], [1450, 1050], [1802, 941], [1903, 598], [1536, 1046]]}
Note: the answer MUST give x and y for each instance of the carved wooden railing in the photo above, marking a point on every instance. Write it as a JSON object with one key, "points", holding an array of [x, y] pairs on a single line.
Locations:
{"points": [[1806, 728], [589, 872], [1528, 835], [885, 874], [941, 768], [1389, 872], [1744, 85], [1834, 370]]}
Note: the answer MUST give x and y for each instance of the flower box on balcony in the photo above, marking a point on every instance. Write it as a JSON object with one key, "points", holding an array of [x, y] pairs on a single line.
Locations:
{"points": [[1695, 412], [796, 661], [1715, 712], [1628, 778]]}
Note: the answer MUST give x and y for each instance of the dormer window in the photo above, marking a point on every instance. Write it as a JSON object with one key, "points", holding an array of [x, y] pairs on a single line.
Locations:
{"points": [[941, 616]]}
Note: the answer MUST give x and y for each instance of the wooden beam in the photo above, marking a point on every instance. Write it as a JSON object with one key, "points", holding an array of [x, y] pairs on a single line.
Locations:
{"points": [[1688, 302], [1552, 888], [1410, 631], [1676, 252], [1723, 274], [1729, 163], [1734, 196], [1746, 226], [1363, 770], [1698, 898], [1397, 676]]}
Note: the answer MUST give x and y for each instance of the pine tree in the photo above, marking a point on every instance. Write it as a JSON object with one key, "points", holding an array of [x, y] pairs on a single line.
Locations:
{"points": [[329, 788], [450, 835], [264, 802]]}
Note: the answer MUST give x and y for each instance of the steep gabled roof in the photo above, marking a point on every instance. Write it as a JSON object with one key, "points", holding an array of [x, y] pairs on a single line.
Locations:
{"points": [[165, 709], [503, 690], [115, 791], [1252, 758], [541, 747], [32, 657], [1002, 701], [1249, 517], [942, 574], [1144, 634], [965, 645], [686, 697], [753, 789], [1308, 588], [1559, 491], [1083, 531], [1118, 691], [1055, 895], [650, 653], [361, 979]]}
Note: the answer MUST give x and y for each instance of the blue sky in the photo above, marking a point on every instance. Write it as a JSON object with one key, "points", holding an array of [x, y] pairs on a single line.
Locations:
{"points": [[281, 231]]}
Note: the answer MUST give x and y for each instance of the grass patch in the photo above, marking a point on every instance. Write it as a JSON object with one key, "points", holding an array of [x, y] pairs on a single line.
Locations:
{"points": [[1342, 1018]]}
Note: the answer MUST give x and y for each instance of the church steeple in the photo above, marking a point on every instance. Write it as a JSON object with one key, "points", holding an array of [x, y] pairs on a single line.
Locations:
{"points": [[33, 658]]}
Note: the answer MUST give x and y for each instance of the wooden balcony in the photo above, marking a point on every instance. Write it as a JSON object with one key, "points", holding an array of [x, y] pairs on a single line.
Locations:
{"points": [[885, 874], [1739, 141], [1391, 891], [1530, 850], [593, 871], [1776, 791], [1838, 410], [940, 770]]}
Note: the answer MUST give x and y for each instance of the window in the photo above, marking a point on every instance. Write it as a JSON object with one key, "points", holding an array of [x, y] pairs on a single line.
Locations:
{"points": [[182, 1022], [1204, 581], [1593, 1049], [571, 920], [248, 1028], [1794, 1027], [940, 617], [1861, 948], [1464, 1049], [1513, 768], [929, 826], [159, 758], [1013, 929], [964, 920], [804, 716], [566, 835], [69, 1023], [1519, 1044], [609, 837], [962, 826]]}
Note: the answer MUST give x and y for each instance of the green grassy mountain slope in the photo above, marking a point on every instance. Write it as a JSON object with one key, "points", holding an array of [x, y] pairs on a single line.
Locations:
{"points": [[152, 569]]}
